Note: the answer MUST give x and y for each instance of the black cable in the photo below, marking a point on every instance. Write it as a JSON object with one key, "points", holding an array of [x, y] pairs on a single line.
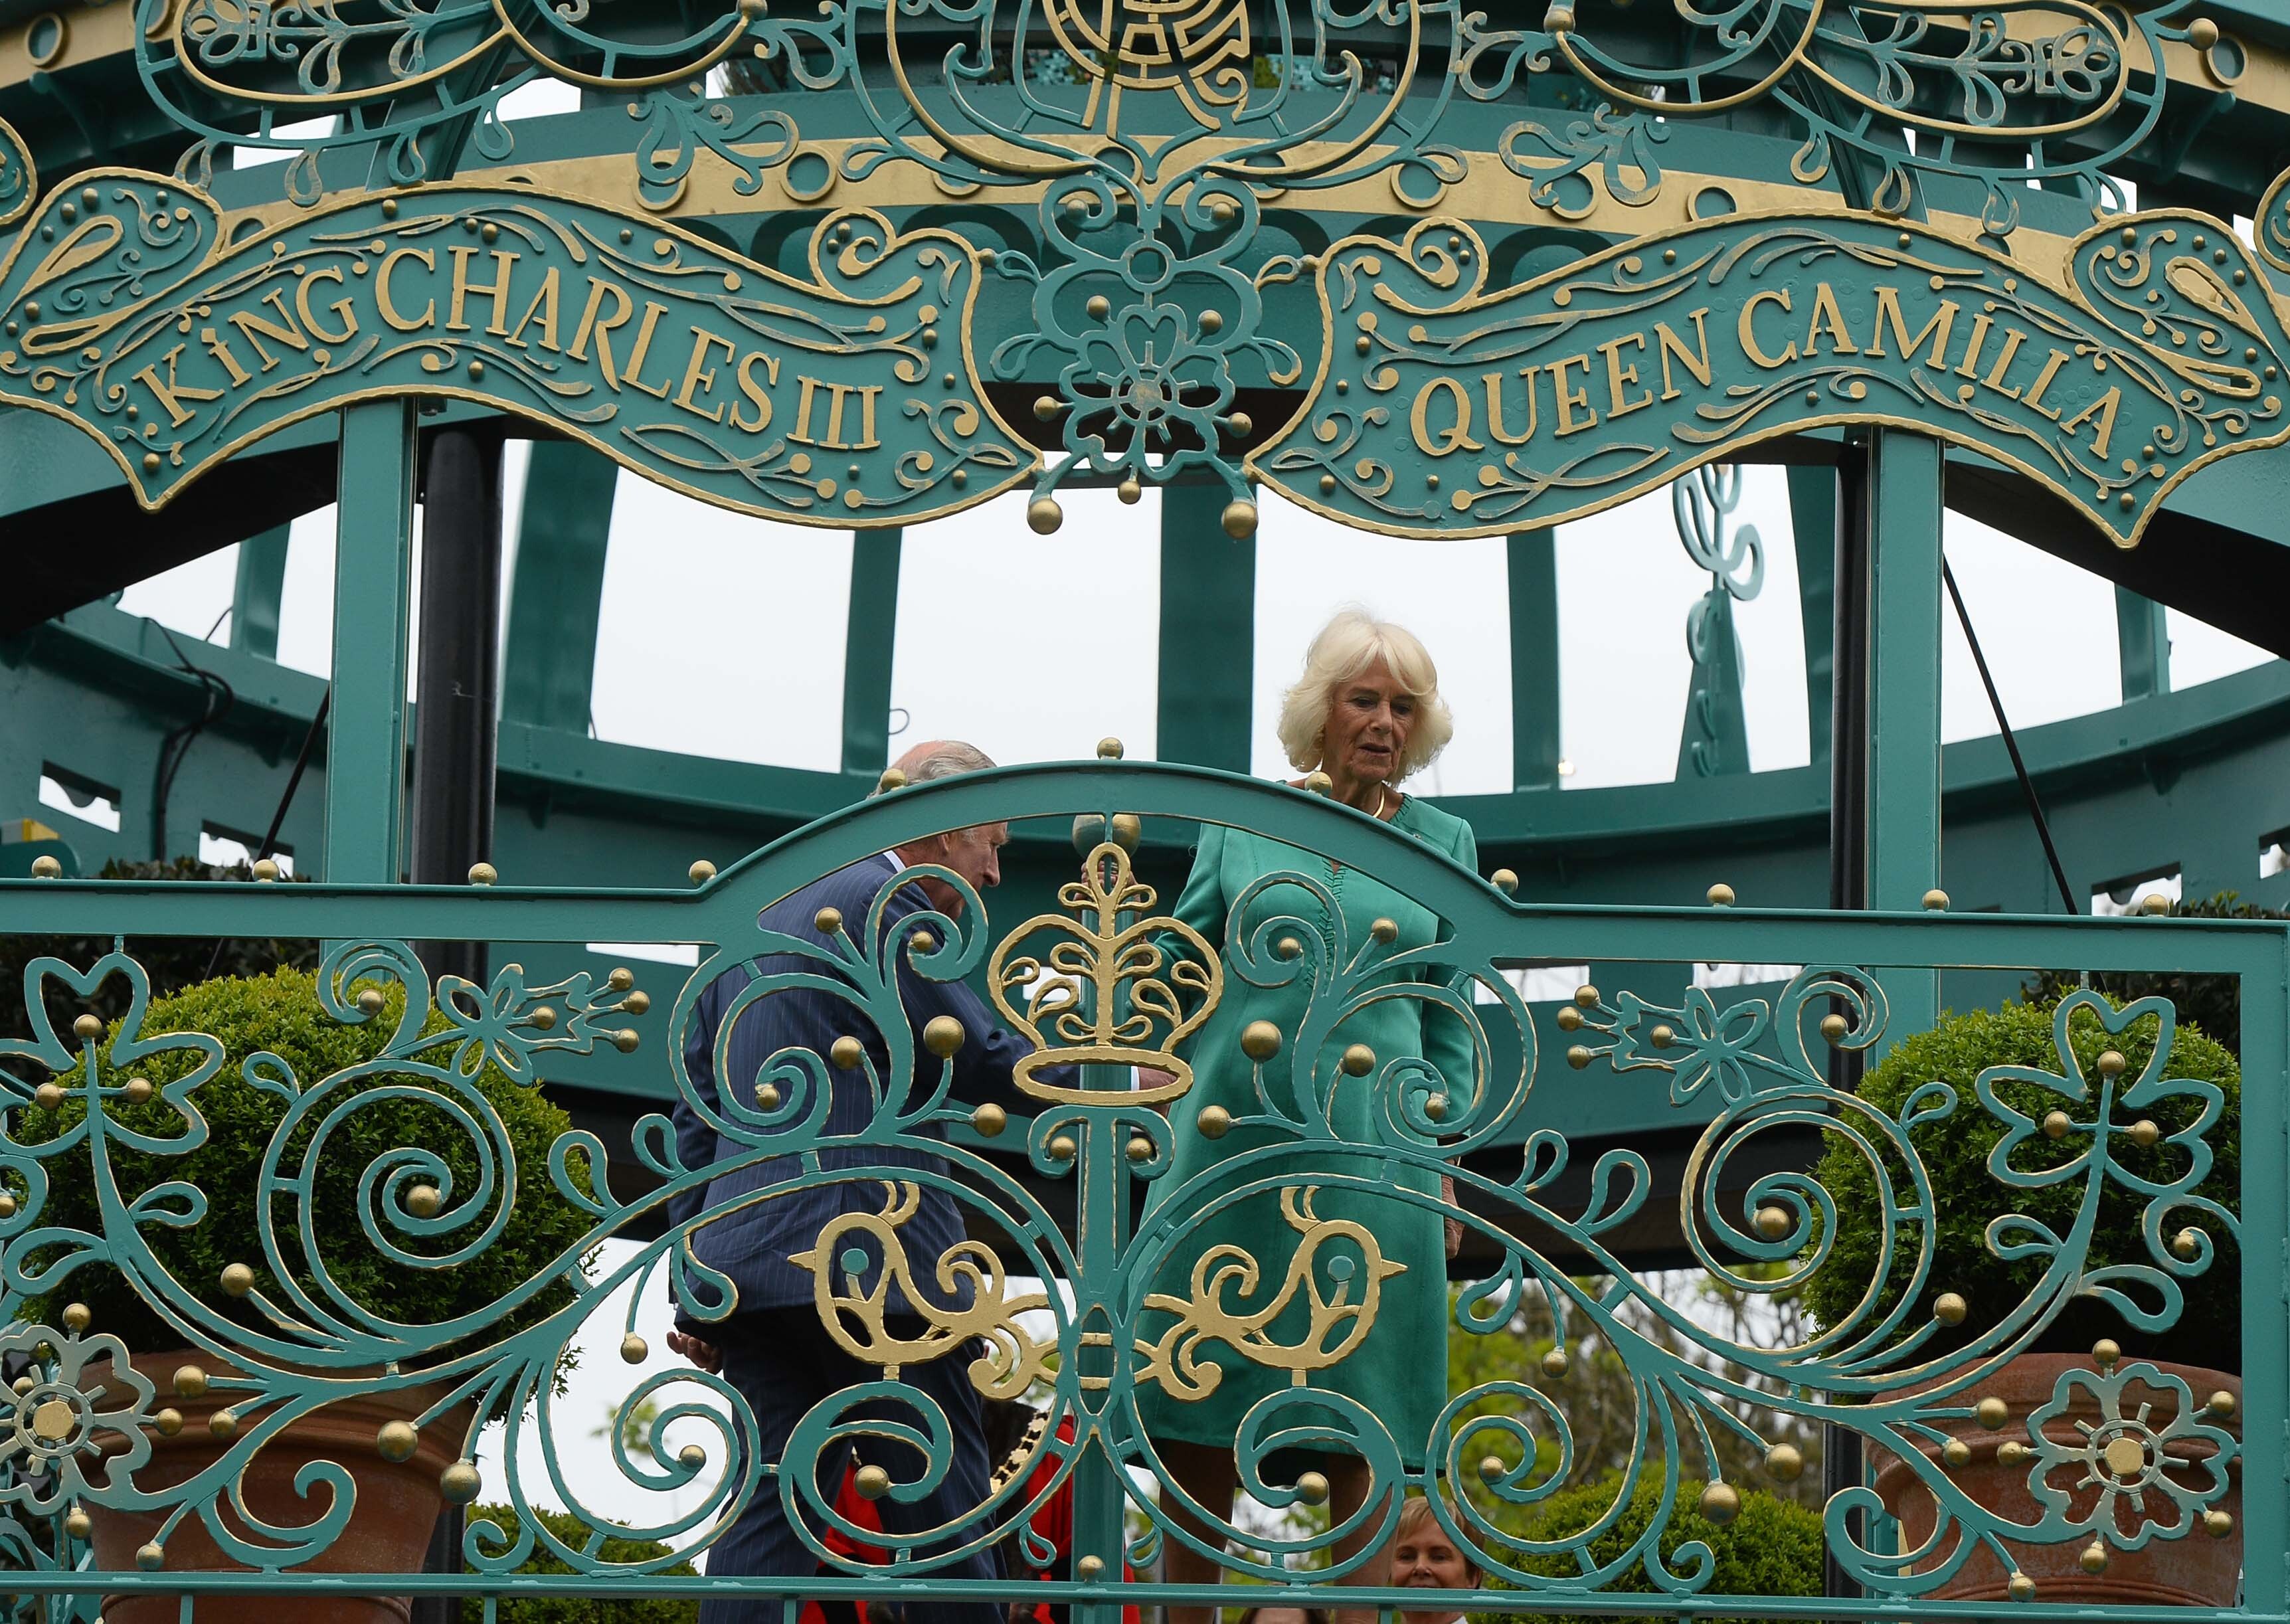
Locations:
{"points": [[293, 783], [2011, 745], [220, 698]]}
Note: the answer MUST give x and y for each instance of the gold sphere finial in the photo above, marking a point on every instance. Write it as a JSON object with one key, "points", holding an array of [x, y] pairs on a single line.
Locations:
{"points": [[265, 870], [370, 1001], [1359, 1059], [2217, 1523], [891, 778], [482, 874], [2022, 1587], [77, 1318], [692, 1456], [1555, 1362], [1089, 1568], [1785, 1462], [1109, 748], [1214, 1121], [1260, 1041], [1130, 492], [990, 1119], [2144, 1133], [2056, 1124], [1127, 831], [223, 1424], [190, 1381], [1043, 516], [1312, 1488], [1504, 881], [460, 1482], [1240, 520], [701, 871], [1317, 782], [2223, 1403], [2187, 1245], [1662, 1035], [1834, 1027], [167, 1422], [2111, 1063], [1385, 931], [1949, 1308], [87, 1028], [49, 1096], [626, 1039], [1773, 1222], [1586, 997], [151, 1557], [2094, 1558], [78, 1523], [1721, 895], [2105, 1352], [2155, 902], [620, 979], [2202, 33], [846, 1051], [1141, 1149], [1062, 1149], [1956, 1454], [767, 1096], [635, 1349], [237, 1279], [424, 1200], [1936, 900], [1490, 1466], [944, 1036], [1721, 1503], [2011, 1451], [1578, 1056], [1558, 19], [397, 1441], [827, 921], [1992, 1413], [45, 866]]}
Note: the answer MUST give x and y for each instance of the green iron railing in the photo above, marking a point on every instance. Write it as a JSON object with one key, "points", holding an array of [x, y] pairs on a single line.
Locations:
{"points": [[301, 1326]]}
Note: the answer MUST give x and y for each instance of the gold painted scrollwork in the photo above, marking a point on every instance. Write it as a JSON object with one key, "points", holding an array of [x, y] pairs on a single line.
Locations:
{"points": [[1337, 1325], [1112, 962], [1012, 1359]]}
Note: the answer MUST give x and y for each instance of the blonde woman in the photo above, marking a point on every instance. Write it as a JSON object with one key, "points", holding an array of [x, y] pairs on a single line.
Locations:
{"points": [[1366, 712]]}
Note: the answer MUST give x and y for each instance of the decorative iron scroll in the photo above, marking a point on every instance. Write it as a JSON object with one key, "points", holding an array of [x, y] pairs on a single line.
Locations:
{"points": [[849, 400], [1442, 407], [1747, 1069]]}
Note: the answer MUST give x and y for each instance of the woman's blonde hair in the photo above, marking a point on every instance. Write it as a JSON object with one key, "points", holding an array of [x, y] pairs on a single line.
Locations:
{"points": [[1415, 1520], [1343, 651]]}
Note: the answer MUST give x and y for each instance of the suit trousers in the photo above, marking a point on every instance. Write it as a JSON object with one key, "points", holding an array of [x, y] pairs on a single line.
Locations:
{"points": [[783, 1362]]}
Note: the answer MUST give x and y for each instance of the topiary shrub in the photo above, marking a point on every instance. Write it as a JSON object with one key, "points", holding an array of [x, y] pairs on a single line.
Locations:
{"points": [[280, 1013], [1955, 1148], [1771, 1547], [2212, 1002], [572, 1531]]}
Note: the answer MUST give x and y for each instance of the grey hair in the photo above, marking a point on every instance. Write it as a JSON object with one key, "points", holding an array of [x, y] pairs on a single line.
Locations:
{"points": [[947, 760]]}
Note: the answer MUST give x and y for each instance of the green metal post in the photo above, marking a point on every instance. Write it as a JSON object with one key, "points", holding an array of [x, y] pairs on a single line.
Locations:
{"points": [[1904, 673], [549, 660], [254, 596], [2143, 637], [1813, 526], [365, 745], [870, 634], [2265, 1214], [1208, 632], [1536, 744]]}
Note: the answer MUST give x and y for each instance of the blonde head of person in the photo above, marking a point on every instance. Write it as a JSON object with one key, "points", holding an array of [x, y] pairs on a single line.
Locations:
{"points": [[1425, 1557]]}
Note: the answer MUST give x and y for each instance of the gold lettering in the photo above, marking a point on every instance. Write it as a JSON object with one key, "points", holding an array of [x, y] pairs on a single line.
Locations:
{"points": [[1456, 436], [2104, 409], [1568, 399], [170, 395], [1749, 332], [2043, 381], [389, 306], [1969, 367], [1494, 382], [344, 310], [754, 391], [807, 386], [219, 347], [544, 305], [1995, 378], [1672, 345], [463, 287], [256, 327], [652, 313], [1619, 376], [697, 377], [589, 324], [1827, 318], [1888, 308]]}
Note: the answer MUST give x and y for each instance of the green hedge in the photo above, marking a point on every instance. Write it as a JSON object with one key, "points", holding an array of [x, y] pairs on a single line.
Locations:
{"points": [[1772, 1548], [1955, 1149], [579, 1609], [280, 1012]]}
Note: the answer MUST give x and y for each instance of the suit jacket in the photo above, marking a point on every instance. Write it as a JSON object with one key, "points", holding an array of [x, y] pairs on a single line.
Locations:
{"points": [[752, 1244]]}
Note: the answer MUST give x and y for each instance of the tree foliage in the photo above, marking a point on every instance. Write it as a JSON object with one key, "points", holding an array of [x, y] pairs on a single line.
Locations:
{"points": [[607, 1609], [2212, 1003]]}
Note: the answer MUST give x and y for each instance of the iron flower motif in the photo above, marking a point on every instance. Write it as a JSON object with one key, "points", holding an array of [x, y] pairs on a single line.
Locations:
{"points": [[57, 1427], [1140, 383], [2112, 1474]]}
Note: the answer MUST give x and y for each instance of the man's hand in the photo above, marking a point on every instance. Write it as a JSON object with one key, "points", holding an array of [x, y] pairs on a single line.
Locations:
{"points": [[707, 1356], [1153, 1077]]}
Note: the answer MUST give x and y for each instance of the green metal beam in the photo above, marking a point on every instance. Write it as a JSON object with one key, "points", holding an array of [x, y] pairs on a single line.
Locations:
{"points": [[1208, 633], [549, 661], [365, 734], [1813, 527], [1536, 744], [2142, 635], [870, 634], [254, 596], [1904, 681]]}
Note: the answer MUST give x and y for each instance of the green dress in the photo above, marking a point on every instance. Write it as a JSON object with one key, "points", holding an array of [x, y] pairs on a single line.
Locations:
{"points": [[1398, 1366]]}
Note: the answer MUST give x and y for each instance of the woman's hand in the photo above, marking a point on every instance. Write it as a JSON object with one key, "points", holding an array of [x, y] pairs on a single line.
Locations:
{"points": [[1455, 1225], [707, 1356]]}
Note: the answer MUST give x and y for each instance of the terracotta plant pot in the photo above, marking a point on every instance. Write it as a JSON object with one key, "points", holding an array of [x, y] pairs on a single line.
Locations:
{"points": [[388, 1531], [2197, 1571]]}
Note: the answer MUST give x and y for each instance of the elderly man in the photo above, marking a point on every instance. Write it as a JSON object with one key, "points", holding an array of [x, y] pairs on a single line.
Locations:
{"points": [[774, 1348]]}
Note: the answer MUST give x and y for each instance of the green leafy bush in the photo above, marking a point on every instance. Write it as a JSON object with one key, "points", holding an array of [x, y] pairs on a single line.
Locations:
{"points": [[280, 1013], [577, 1608], [2212, 1002], [1955, 1149], [1771, 1547]]}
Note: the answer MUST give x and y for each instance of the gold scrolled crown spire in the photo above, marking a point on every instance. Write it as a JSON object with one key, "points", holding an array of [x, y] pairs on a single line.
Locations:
{"points": [[1108, 994]]}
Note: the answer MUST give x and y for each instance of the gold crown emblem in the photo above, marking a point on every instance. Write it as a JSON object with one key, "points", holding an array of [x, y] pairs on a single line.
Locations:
{"points": [[1110, 993]]}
